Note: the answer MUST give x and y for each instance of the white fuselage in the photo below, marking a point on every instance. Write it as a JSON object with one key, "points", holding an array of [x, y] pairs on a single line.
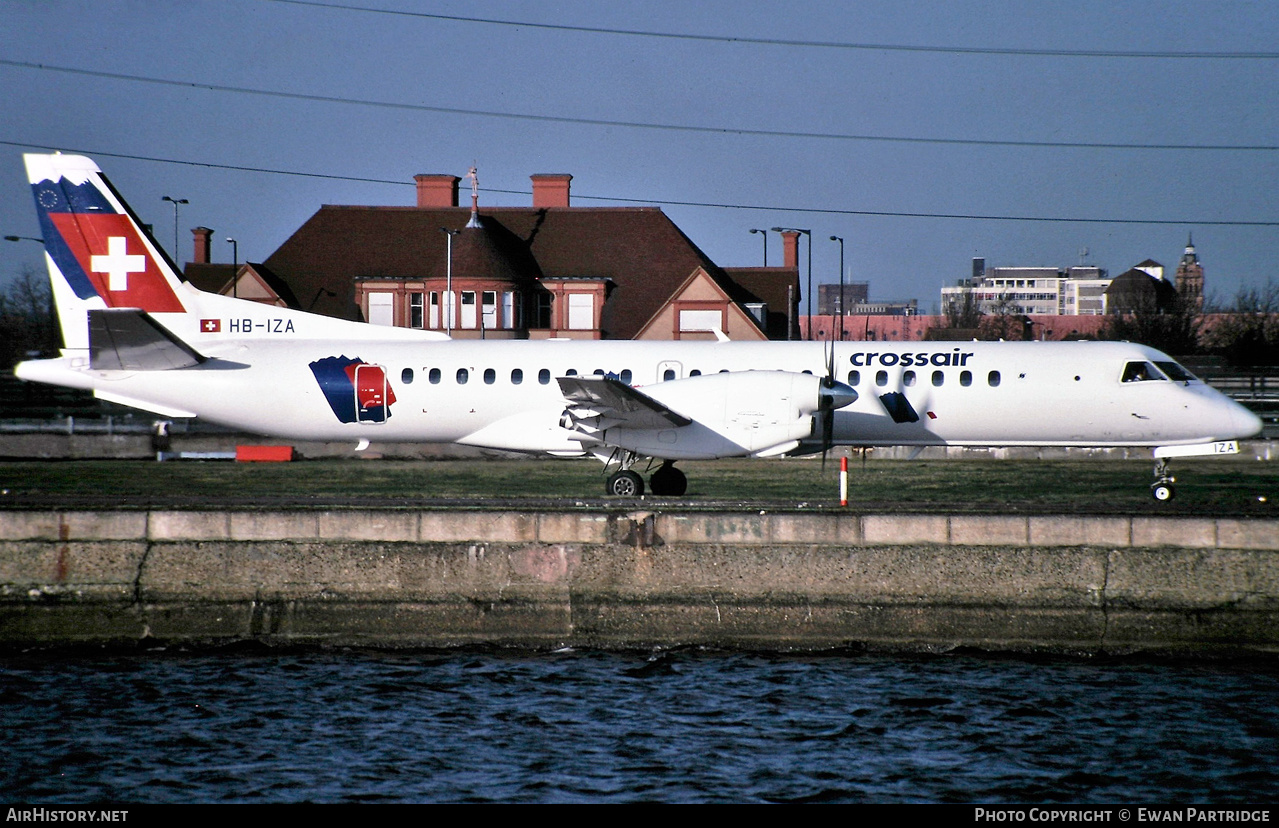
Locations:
{"points": [[504, 394]]}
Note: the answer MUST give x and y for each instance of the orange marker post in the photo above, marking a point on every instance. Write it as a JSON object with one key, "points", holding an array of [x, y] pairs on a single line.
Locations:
{"points": [[843, 481]]}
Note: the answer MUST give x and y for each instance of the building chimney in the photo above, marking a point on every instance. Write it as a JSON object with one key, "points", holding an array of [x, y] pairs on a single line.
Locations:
{"points": [[436, 190], [551, 189], [203, 241], [790, 249]]}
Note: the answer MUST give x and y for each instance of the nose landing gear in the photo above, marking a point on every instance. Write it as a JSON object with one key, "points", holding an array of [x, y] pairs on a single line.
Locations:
{"points": [[1162, 489]]}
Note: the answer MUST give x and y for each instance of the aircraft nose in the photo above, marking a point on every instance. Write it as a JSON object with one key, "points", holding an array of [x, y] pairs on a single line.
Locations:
{"points": [[1246, 423], [837, 395]]}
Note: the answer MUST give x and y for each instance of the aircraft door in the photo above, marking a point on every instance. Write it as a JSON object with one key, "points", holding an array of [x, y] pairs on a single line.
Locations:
{"points": [[669, 370], [372, 394]]}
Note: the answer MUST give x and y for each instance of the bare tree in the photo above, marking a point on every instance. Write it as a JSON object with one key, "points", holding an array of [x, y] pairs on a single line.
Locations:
{"points": [[1248, 333], [1005, 321], [1164, 322], [27, 326]]}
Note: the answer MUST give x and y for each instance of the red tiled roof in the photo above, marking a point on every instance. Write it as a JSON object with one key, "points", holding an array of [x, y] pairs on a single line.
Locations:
{"points": [[639, 249]]}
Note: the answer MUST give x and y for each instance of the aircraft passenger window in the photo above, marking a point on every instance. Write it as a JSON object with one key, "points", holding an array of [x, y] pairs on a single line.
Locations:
{"points": [[626, 376], [965, 378], [490, 376], [599, 372], [544, 377], [881, 378], [697, 373], [517, 376], [406, 376], [854, 377], [723, 370], [993, 379], [908, 378], [462, 376], [434, 376], [938, 378], [668, 375], [572, 372]]}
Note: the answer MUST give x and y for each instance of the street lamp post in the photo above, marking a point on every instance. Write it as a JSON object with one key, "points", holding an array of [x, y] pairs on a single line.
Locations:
{"points": [[841, 285], [763, 233], [235, 268], [175, 202], [448, 282], [808, 233]]}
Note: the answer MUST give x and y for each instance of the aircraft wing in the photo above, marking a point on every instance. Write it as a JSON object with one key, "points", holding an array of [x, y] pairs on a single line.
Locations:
{"points": [[617, 404]]}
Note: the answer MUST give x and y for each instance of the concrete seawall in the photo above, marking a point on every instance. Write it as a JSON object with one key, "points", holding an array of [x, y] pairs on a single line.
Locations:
{"points": [[797, 579]]}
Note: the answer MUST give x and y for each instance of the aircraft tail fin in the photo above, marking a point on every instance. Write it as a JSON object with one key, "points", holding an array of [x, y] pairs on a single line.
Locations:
{"points": [[98, 253]]}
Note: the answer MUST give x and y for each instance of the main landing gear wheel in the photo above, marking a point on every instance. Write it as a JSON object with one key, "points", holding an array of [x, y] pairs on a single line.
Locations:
{"points": [[668, 481], [1163, 491], [625, 483]]}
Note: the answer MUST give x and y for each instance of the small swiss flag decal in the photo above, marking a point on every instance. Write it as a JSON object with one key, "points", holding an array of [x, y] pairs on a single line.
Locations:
{"points": [[210, 325]]}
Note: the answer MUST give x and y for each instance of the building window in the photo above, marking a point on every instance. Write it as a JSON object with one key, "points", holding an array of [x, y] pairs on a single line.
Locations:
{"points": [[468, 317], [700, 320], [450, 310], [434, 317], [545, 302], [581, 311], [381, 308], [511, 310], [488, 304], [415, 310]]}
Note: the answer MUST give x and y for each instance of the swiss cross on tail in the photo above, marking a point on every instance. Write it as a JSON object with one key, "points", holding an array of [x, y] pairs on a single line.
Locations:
{"points": [[94, 240], [113, 257]]}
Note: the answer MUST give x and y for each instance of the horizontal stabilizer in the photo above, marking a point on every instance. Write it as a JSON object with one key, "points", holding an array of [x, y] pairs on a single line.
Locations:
{"points": [[128, 339]]}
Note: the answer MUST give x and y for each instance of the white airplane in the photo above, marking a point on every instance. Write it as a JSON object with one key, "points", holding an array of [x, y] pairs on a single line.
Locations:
{"points": [[135, 334]]}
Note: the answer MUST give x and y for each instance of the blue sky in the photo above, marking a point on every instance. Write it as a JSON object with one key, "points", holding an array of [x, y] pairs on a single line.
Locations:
{"points": [[771, 133]]}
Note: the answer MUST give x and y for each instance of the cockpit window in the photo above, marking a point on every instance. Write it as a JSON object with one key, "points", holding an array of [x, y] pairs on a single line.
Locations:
{"points": [[1141, 372], [1175, 372]]}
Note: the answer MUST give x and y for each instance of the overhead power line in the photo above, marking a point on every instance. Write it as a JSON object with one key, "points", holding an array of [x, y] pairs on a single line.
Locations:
{"points": [[666, 202], [817, 44], [561, 119]]}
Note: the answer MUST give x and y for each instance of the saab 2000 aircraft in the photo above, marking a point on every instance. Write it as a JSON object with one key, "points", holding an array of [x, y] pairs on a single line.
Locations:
{"points": [[135, 334]]}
